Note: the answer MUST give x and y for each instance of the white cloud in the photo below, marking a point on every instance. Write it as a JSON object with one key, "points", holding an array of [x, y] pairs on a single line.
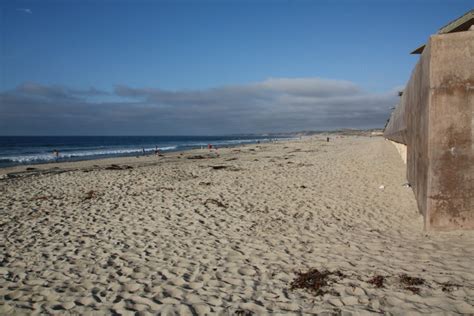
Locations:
{"points": [[276, 104]]}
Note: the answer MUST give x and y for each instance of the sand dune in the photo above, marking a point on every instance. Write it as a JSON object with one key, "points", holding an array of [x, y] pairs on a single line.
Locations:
{"points": [[227, 235]]}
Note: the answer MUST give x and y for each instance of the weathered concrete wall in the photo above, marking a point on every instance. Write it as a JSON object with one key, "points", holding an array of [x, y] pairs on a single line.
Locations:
{"points": [[451, 169], [435, 121], [396, 128], [416, 100]]}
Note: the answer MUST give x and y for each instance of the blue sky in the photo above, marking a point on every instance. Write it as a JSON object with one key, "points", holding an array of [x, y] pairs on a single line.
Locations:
{"points": [[193, 48]]}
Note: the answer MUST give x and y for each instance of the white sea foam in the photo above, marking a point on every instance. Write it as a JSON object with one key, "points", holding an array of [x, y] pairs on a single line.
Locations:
{"points": [[79, 154], [230, 142]]}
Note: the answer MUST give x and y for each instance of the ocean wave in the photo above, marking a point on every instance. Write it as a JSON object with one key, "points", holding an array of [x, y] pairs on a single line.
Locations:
{"points": [[227, 142], [72, 152], [45, 157]]}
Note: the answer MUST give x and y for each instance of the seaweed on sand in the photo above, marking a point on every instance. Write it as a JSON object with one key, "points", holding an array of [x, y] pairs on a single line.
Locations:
{"points": [[413, 289], [314, 280], [448, 286], [411, 283], [117, 167], [377, 281]]}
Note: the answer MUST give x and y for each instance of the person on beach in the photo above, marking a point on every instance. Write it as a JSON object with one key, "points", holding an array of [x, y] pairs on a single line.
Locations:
{"points": [[56, 155], [143, 149], [209, 146], [327, 139]]}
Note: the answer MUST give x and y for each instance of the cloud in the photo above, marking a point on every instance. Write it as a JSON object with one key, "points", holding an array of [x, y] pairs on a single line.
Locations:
{"points": [[55, 92], [24, 10], [272, 105]]}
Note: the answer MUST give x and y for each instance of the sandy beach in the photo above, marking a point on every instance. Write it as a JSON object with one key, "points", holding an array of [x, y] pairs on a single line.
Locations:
{"points": [[194, 233]]}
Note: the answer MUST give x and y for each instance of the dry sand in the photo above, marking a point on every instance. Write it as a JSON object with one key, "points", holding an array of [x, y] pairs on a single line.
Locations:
{"points": [[173, 235]]}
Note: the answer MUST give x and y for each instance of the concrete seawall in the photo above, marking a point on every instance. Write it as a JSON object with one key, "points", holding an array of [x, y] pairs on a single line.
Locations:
{"points": [[435, 121], [402, 150]]}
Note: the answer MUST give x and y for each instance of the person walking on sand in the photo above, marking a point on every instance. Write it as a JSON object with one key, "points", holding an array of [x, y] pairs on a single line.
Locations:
{"points": [[209, 146], [143, 149]]}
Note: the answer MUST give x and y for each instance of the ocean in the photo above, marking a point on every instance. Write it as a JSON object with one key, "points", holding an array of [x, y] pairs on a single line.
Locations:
{"points": [[17, 150]]}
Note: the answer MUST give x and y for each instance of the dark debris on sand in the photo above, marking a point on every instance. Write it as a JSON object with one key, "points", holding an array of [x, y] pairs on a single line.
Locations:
{"points": [[411, 283], [165, 189], [413, 289], [219, 167], [89, 195], [224, 167], [215, 202], [377, 281], [448, 286], [117, 167], [241, 312], [315, 281], [196, 157]]}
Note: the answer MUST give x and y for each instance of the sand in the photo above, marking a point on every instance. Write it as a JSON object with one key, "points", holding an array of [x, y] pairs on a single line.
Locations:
{"points": [[227, 235]]}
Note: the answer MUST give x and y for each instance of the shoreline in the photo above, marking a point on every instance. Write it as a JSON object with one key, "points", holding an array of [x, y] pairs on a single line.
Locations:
{"points": [[104, 161], [78, 148], [176, 147]]}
